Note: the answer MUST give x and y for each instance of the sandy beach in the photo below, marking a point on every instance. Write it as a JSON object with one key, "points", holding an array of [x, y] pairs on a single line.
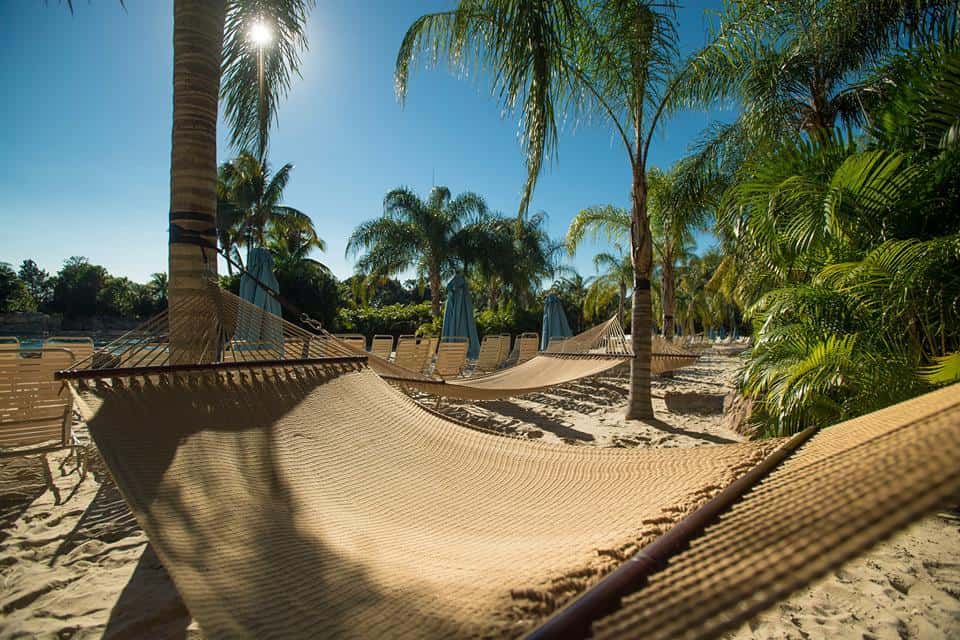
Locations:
{"points": [[74, 563]]}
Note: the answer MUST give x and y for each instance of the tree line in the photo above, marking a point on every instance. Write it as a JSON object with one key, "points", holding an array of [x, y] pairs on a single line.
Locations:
{"points": [[80, 290]]}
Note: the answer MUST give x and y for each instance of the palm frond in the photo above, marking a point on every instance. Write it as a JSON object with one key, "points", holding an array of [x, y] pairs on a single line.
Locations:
{"points": [[606, 221], [248, 117], [945, 370]]}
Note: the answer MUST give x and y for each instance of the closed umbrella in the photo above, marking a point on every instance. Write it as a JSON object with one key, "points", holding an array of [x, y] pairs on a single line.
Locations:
{"points": [[458, 315], [260, 330], [555, 323]]}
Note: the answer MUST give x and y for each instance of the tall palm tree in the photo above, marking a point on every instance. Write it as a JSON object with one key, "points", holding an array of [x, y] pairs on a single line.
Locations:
{"points": [[561, 58], [291, 240], [510, 257], [206, 35], [250, 197], [197, 50], [677, 202], [416, 233]]}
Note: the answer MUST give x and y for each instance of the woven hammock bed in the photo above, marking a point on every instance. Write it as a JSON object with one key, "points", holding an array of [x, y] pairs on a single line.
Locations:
{"points": [[300, 497], [592, 352]]}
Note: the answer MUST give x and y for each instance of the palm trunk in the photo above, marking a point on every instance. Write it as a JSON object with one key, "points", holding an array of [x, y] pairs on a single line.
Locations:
{"points": [[620, 307], [669, 297], [640, 402], [435, 292], [494, 297], [197, 50]]}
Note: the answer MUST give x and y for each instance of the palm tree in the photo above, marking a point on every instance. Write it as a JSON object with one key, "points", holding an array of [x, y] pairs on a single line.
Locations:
{"points": [[291, 239], [612, 284], [207, 34], [677, 204], [800, 66], [571, 287], [197, 48], [230, 218], [416, 233], [510, 257], [251, 200], [561, 58]]}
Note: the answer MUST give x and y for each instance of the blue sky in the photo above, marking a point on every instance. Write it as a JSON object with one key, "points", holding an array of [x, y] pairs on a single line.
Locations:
{"points": [[84, 158]]}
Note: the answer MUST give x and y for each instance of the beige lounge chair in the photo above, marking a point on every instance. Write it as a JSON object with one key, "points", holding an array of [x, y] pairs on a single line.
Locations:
{"points": [[451, 357], [427, 349], [504, 353], [35, 409], [355, 340], [489, 356], [382, 346], [81, 347], [526, 346], [555, 345], [9, 347], [408, 355]]}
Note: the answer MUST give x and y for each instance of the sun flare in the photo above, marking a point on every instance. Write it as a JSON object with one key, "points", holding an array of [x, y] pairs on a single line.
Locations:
{"points": [[260, 34]]}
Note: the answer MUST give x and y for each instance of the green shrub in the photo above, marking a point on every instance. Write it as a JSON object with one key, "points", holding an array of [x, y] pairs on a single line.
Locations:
{"points": [[395, 319], [431, 328]]}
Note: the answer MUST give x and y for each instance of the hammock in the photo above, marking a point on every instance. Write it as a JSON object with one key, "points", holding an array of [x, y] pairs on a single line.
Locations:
{"points": [[291, 496], [589, 353]]}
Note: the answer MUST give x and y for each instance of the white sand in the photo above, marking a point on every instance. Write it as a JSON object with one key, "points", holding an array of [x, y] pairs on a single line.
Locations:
{"points": [[84, 569]]}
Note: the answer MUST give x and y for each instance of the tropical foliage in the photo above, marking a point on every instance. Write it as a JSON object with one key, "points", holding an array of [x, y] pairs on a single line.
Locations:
{"points": [[249, 209], [848, 254], [426, 236]]}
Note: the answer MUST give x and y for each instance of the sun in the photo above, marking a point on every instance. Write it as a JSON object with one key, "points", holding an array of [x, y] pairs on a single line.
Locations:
{"points": [[260, 34]]}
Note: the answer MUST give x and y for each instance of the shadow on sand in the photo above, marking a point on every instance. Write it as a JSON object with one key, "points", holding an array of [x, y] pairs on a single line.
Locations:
{"points": [[660, 425], [515, 411], [106, 519], [149, 605], [22, 480]]}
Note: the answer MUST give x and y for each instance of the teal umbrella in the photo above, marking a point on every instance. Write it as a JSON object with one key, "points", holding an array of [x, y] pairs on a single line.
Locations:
{"points": [[555, 323], [260, 330], [458, 315]]}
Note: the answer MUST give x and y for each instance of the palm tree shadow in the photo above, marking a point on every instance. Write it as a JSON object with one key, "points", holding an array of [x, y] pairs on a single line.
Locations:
{"points": [[22, 480], [106, 519], [149, 605], [587, 396], [660, 425], [515, 411]]}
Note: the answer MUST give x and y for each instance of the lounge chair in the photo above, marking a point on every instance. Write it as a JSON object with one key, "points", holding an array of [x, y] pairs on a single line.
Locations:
{"points": [[407, 355], [489, 357], [451, 357], [36, 411], [427, 348], [81, 347], [381, 346], [527, 345], [355, 340]]}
